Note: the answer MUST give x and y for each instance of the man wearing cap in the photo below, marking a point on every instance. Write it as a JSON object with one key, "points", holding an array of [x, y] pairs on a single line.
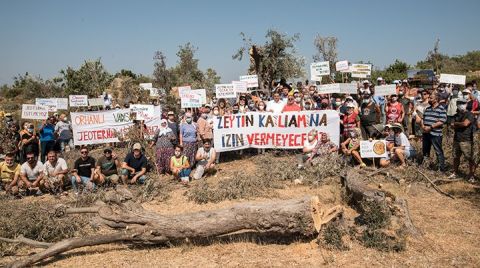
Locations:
{"points": [[434, 117], [106, 168], [365, 88], [472, 102], [401, 148], [134, 166], [463, 126], [369, 116]]}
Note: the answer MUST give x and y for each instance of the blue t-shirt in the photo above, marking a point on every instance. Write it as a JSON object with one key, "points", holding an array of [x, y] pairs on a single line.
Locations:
{"points": [[47, 133], [188, 132]]}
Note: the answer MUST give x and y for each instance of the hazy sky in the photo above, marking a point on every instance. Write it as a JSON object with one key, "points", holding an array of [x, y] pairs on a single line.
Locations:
{"points": [[43, 37]]}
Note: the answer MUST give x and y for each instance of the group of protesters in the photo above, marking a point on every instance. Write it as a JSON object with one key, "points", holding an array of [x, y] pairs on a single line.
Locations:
{"points": [[184, 141]]}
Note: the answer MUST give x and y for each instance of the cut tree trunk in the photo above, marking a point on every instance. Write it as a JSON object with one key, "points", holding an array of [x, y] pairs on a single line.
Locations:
{"points": [[294, 217]]}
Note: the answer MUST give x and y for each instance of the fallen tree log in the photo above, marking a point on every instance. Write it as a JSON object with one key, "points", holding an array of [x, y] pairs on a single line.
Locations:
{"points": [[295, 217]]}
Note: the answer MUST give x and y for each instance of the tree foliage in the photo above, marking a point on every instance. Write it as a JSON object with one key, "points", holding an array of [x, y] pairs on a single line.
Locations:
{"points": [[29, 87], [396, 70], [277, 58], [326, 49], [90, 79]]}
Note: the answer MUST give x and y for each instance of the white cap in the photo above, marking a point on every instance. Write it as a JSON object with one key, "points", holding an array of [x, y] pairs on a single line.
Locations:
{"points": [[350, 105], [380, 79], [396, 81], [405, 81], [467, 91], [365, 82]]}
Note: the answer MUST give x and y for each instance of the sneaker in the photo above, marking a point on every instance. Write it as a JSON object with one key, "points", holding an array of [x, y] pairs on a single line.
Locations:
{"points": [[363, 165], [472, 180], [452, 176]]}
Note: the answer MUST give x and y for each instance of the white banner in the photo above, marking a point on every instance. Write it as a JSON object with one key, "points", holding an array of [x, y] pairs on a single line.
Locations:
{"points": [[341, 88], [106, 126], [373, 149], [342, 66], [145, 86], [273, 130], [240, 86], [78, 100], [319, 69], [361, 70], [62, 103], [453, 79], [35, 112], [385, 90], [96, 102], [252, 80], [51, 103], [225, 91]]}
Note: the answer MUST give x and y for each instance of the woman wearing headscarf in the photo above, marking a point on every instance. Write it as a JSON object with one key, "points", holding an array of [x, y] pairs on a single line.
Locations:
{"points": [[188, 138], [164, 140]]}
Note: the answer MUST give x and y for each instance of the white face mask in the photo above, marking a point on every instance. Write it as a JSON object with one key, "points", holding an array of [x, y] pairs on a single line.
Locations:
{"points": [[177, 154], [298, 99], [462, 107], [215, 112], [261, 107], [394, 99]]}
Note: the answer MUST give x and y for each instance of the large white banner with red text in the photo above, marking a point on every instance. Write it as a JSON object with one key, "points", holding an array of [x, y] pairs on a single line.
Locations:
{"points": [[106, 126], [287, 130]]}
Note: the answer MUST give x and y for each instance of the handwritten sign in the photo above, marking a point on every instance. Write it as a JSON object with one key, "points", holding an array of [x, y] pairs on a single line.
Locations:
{"points": [[62, 103], [240, 86], [385, 90], [373, 149], [96, 102], [35, 112], [146, 86], [361, 70], [51, 103], [142, 111], [183, 89], [78, 100], [225, 91], [319, 69], [453, 79], [342, 88], [342, 66], [252, 80]]}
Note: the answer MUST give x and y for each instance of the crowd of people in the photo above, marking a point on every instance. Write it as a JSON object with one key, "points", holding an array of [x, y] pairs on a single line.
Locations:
{"points": [[184, 149]]}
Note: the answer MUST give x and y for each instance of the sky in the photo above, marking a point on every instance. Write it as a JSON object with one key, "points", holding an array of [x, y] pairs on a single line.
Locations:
{"points": [[43, 37]]}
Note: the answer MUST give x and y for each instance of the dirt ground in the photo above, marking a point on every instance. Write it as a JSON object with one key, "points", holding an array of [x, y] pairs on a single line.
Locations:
{"points": [[450, 228]]}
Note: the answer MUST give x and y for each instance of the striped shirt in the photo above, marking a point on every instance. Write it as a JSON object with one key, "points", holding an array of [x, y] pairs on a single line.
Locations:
{"points": [[434, 115]]}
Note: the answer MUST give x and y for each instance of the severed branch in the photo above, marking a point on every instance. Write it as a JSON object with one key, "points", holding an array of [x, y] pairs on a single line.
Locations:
{"points": [[23, 240], [433, 184]]}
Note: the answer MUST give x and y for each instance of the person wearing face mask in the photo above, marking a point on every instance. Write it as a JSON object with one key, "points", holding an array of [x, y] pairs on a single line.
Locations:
{"points": [[443, 95], [180, 166], [163, 141], [63, 130], [172, 124], [308, 147], [351, 120], [400, 149], [205, 129], [351, 147], [308, 106], [463, 126], [369, 116], [291, 106], [407, 111], [9, 174], [205, 160], [434, 117], [242, 105], [394, 110], [261, 107], [29, 141], [188, 138], [473, 104]]}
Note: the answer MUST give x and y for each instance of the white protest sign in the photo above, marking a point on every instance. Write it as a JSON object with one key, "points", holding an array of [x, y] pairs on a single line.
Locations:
{"points": [[96, 102], [142, 111], [319, 69], [146, 86], [273, 130], [342, 66], [183, 89], [51, 103], [385, 90], [191, 100], [62, 103], [453, 79], [107, 126], [225, 91], [240, 86], [156, 92], [252, 80], [342, 88], [35, 112], [202, 93], [361, 70], [78, 100], [348, 88], [373, 149]]}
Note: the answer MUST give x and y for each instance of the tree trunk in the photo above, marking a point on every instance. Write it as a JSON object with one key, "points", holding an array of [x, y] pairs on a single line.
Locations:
{"points": [[295, 217]]}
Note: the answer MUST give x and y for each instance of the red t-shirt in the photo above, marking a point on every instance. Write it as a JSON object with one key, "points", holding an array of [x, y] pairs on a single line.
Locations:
{"points": [[393, 112], [291, 108]]}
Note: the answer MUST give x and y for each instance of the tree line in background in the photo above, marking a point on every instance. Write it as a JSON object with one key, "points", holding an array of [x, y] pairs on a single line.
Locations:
{"points": [[272, 60]]}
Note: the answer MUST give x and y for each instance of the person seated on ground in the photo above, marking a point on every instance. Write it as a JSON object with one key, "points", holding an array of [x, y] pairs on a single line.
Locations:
{"points": [[205, 156], [55, 171], [351, 147], [9, 174], [134, 166], [308, 149], [401, 149], [325, 146], [179, 165], [31, 174], [389, 136], [106, 168], [84, 169]]}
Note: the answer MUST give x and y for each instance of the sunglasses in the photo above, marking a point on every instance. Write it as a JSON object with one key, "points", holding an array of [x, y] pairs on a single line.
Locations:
{"points": [[30, 158], [84, 152]]}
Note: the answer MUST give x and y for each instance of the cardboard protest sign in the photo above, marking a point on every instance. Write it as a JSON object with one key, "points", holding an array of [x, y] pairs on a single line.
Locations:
{"points": [[225, 91], [78, 100], [361, 70], [453, 79], [183, 89], [385, 90], [319, 69], [240, 86], [146, 86], [96, 102], [107, 126], [62, 103], [373, 149], [273, 130], [51, 103], [202, 93], [342, 66], [142, 111], [35, 112], [342, 88], [252, 80], [191, 100]]}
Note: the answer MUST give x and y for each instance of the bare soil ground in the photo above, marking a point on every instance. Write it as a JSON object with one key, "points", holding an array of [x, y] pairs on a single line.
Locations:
{"points": [[450, 227]]}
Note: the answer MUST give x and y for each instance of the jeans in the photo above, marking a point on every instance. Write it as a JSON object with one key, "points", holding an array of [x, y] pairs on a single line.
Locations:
{"points": [[64, 143], [126, 172], [45, 147], [436, 141], [84, 181]]}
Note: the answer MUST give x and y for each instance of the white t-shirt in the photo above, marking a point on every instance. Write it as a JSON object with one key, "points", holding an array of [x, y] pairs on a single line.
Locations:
{"points": [[275, 107], [32, 174], [402, 140], [310, 146], [50, 169]]}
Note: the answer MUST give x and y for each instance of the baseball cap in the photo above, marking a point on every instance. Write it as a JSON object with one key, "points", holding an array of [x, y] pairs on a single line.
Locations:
{"points": [[466, 91], [380, 79], [107, 149], [170, 113], [405, 81], [365, 82], [137, 146], [8, 115]]}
